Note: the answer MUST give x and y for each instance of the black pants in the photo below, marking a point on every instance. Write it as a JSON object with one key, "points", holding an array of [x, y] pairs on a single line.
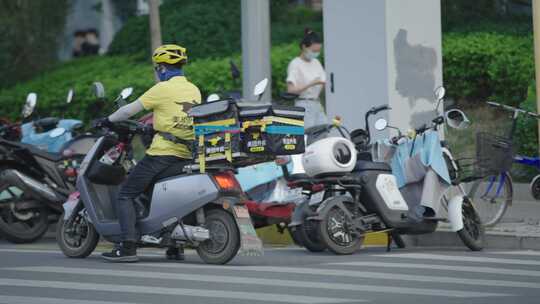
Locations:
{"points": [[138, 181]]}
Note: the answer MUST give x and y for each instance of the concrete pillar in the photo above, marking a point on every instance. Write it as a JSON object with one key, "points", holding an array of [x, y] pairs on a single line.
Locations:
{"points": [[382, 52], [256, 46]]}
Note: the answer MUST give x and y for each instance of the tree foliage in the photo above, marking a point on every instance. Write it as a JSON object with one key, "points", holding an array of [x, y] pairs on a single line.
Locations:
{"points": [[29, 33]]}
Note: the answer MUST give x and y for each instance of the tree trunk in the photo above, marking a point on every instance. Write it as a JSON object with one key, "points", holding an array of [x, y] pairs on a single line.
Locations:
{"points": [[155, 27], [536, 32]]}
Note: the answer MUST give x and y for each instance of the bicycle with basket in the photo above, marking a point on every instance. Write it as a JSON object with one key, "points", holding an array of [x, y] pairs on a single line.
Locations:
{"points": [[495, 154]]}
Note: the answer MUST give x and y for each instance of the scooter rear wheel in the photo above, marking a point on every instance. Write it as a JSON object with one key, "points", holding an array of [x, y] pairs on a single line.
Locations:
{"points": [[336, 231], [224, 241], [307, 235], [77, 239]]}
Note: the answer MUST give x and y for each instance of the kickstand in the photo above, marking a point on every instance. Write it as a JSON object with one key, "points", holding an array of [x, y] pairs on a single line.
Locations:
{"points": [[389, 244]]}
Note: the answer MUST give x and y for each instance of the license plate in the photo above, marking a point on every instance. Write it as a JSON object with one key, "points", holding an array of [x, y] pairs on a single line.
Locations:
{"points": [[241, 212], [316, 198]]}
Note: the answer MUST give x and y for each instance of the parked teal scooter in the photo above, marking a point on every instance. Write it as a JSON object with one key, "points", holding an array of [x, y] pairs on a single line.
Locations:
{"points": [[51, 133]]}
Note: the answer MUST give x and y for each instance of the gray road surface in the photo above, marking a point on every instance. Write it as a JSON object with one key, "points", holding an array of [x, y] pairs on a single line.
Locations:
{"points": [[40, 274]]}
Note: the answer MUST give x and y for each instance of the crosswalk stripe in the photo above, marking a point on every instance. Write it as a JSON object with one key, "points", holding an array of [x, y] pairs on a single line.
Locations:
{"points": [[448, 258], [4, 299], [354, 274], [258, 281], [15, 250], [95, 253], [252, 296], [476, 269], [523, 252]]}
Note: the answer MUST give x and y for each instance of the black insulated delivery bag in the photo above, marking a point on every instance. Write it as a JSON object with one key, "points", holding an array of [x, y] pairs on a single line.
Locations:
{"points": [[272, 129], [217, 132]]}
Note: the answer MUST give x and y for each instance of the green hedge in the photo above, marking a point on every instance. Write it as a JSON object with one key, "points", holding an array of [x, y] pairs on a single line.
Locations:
{"points": [[210, 28], [478, 66], [117, 72]]}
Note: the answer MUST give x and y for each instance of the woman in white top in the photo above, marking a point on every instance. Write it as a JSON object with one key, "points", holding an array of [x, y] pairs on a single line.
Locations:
{"points": [[306, 77]]}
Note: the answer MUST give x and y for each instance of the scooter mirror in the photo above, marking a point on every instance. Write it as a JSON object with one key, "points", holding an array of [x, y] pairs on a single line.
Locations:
{"points": [[381, 124], [212, 97], [30, 105], [457, 119], [69, 97], [57, 132], [440, 92], [260, 87], [99, 90], [235, 72], [126, 92]]}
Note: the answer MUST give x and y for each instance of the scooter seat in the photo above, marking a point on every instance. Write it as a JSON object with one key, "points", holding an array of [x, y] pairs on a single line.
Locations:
{"points": [[371, 166], [174, 170], [55, 157], [298, 176], [47, 123], [271, 210]]}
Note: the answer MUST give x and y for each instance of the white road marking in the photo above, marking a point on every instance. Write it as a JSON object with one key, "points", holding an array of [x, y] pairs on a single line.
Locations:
{"points": [[28, 250], [522, 252], [95, 253], [4, 299], [258, 281], [352, 274], [476, 269], [219, 294], [449, 258]]}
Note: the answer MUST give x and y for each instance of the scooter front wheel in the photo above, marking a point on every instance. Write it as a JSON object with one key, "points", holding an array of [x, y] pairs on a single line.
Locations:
{"points": [[224, 241], [76, 238], [472, 234], [336, 230]]}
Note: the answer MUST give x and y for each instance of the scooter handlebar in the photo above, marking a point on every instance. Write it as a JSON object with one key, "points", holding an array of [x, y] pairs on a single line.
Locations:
{"points": [[376, 110]]}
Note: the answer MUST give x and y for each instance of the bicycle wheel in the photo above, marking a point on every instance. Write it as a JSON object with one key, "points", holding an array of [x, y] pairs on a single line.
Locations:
{"points": [[492, 196]]}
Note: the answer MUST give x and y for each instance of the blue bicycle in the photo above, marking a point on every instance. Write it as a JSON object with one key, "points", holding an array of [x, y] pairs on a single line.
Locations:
{"points": [[493, 194]]}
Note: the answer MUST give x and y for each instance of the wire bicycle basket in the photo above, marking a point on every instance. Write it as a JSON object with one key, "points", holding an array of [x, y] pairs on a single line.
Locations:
{"points": [[494, 154]]}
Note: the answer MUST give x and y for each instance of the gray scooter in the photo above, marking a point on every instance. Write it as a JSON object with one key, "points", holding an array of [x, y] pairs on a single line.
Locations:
{"points": [[183, 206]]}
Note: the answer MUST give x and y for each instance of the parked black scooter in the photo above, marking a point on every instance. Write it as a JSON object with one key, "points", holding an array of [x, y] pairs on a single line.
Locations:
{"points": [[34, 183]]}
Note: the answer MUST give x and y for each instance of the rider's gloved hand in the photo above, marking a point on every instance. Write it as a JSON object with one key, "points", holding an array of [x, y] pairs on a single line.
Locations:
{"points": [[102, 123], [147, 129]]}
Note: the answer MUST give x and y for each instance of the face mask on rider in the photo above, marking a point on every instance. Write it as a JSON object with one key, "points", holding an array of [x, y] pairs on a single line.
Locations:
{"points": [[310, 55], [166, 74]]}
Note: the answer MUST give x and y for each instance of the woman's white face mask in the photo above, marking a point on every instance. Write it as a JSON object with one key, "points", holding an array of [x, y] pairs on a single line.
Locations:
{"points": [[310, 55]]}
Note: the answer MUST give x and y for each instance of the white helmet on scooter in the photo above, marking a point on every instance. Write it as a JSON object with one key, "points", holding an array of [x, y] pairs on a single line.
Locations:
{"points": [[329, 156], [457, 119]]}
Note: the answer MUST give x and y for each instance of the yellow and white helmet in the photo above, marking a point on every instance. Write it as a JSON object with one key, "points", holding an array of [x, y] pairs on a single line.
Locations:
{"points": [[169, 54]]}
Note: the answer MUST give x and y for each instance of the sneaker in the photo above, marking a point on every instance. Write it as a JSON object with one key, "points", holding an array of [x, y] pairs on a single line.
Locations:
{"points": [[174, 253], [125, 253]]}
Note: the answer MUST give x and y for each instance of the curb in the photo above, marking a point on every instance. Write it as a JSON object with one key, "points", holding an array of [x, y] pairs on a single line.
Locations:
{"points": [[270, 236], [494, 240]]}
